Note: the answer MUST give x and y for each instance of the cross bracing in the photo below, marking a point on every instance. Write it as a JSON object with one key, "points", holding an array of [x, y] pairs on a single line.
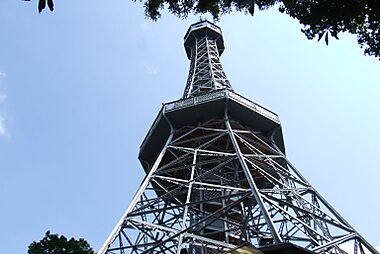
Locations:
{"points": [[206, 72], [218, 177], [198, 198]]}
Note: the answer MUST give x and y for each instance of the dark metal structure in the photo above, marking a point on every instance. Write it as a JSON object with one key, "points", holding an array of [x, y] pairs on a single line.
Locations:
{"points": [[217, 176]]}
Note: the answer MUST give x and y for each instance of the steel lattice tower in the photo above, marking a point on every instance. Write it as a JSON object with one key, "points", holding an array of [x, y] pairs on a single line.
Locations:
{"points": [[217, 176]]}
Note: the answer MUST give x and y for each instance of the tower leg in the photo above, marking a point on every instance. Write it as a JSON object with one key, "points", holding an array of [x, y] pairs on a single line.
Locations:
{"points": [[219, 184]]}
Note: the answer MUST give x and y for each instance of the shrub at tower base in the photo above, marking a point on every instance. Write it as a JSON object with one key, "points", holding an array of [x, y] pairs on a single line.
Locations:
{"points": [[54, 244]]}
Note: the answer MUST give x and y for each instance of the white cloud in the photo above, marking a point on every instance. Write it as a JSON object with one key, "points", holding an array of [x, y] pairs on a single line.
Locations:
{"points": [[2, 127], [3, 97], [151, 69], [144, 26]]}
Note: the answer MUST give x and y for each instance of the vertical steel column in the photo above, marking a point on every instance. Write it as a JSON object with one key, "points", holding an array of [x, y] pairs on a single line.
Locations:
{"points": [[187, 201], [210, 63], [252, 184], [193, 67]]}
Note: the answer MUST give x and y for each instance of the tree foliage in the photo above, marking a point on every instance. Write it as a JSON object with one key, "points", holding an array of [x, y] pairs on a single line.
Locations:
{"points": [[42, 4], [320, 18], [54, 244], [323, 17]]}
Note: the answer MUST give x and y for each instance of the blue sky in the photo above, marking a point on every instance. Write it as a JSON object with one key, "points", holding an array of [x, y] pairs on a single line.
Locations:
{"points": [[80, 87]]}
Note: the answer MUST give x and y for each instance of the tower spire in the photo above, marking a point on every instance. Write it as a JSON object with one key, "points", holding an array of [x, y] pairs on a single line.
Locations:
{"points": [[204, 45]]}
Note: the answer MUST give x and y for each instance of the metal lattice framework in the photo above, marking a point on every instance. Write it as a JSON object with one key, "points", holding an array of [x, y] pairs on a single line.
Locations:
{"points": [[206, 72], [217, 178], [219, 184]]}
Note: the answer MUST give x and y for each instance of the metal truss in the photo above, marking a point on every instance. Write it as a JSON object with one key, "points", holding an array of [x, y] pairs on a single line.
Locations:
{"points": [[206, 71], [219, 184]]}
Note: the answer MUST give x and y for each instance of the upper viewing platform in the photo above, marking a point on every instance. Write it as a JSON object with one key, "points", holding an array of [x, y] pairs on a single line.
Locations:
{"points": [[201, 30], [205, 106]]}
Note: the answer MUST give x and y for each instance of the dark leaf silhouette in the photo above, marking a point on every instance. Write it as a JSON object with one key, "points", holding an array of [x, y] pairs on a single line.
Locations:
{"points": [[318, 17], [320, 36], [54, 244], [50, 4], [41, 5]]}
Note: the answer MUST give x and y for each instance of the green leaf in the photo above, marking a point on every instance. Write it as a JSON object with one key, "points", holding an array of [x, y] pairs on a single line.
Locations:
{"points": [[251, 9], [50, 4], [320, 36], [41, 5], [54, 244]]}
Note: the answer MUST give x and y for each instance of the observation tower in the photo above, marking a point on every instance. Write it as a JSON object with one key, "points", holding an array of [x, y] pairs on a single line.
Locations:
{"points": [[217, 177]]}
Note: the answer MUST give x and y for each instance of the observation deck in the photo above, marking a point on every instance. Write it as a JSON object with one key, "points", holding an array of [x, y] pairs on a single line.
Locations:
{"points": [[200, 30], [211, 105]]}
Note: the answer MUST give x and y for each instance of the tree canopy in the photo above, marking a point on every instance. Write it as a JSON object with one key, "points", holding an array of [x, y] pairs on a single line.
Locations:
{"points": [[54, 244], [319, 18]]}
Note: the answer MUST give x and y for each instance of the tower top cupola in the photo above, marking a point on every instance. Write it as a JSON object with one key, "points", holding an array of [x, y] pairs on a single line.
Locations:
{"points": [[204, 45], [200, 30]]}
